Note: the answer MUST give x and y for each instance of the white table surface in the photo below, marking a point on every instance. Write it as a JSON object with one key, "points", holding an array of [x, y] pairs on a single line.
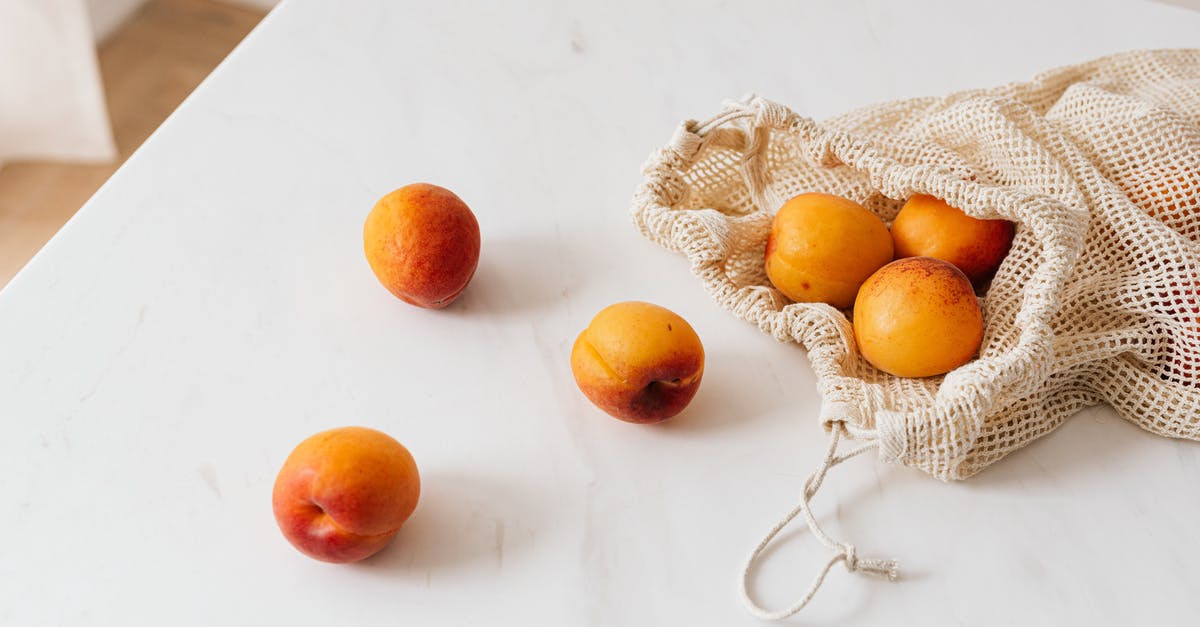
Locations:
{"points": [[210, 307]]}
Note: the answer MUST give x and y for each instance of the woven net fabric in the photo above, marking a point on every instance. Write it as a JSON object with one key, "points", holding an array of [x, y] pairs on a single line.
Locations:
{"points": [[1098, 300]]}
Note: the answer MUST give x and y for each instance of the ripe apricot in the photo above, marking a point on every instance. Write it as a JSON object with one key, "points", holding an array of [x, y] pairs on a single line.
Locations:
{"points": [[638, 362], [1168, 193], [928, 227], [1176, 193], [822, 247], [917, 317], [422, 242], [342, 494]]}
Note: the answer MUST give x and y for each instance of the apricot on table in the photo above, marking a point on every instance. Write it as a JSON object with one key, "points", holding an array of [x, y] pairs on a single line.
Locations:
{"points": [[422, 242], [918, 317], [928, 227], [638, 362], [343, 494], [822, 247]]}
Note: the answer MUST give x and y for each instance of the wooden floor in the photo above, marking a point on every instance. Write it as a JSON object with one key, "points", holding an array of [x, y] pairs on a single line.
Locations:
{"points": [[149, 65]]}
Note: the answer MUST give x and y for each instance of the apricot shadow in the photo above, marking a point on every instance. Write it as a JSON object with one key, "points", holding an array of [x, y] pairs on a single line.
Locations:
{"points": [[1084, 444], [516, 276], [727, 398], [461, 523]]}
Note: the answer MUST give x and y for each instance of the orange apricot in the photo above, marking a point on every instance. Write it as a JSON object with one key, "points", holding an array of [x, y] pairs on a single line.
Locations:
{"points": [[918, 317], [422, 242], [928, 227], [822, 247], [343, 494], [638, 362]]}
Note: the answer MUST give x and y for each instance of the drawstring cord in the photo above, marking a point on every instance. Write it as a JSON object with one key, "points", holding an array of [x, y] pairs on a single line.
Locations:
{"points": [[844, 552]]}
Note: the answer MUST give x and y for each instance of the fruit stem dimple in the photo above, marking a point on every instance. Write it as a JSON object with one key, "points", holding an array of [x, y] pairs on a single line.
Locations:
{"points": [[676, 382]]}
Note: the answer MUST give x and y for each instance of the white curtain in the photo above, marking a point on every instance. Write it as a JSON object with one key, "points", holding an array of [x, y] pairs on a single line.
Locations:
{"points": [[51, 98]]}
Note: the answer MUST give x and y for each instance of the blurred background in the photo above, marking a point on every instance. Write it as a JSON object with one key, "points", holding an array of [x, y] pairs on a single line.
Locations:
{"points": [[82, 84]]}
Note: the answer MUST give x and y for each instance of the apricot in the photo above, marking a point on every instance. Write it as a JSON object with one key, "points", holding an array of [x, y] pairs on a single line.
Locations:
{"points": [[638, 362], [918, 317], [1176, 195], [342, 494], [422, 242], [822, 247], [928, 227]]}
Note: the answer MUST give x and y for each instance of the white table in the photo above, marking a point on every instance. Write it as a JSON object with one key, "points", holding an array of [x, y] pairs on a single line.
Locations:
{"points": [[211, 307]]}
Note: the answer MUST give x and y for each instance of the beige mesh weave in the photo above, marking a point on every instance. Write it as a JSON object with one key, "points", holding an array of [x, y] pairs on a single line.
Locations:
{"points": [[1097, 302]]}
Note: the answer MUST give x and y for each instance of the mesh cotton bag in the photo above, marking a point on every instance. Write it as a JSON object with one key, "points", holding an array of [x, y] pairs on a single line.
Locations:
{"points": [[1098, 164]]}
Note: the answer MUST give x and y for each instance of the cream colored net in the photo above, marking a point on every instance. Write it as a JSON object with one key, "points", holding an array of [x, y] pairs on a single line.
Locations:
{"points": [[1097, 302]]}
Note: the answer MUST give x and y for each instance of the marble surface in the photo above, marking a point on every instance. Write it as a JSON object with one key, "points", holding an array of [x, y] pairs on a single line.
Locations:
{"points": [[210, 307]]}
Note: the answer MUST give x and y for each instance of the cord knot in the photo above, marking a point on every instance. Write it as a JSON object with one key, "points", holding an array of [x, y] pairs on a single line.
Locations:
{"points": [[851, 557], [888, 569]]}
